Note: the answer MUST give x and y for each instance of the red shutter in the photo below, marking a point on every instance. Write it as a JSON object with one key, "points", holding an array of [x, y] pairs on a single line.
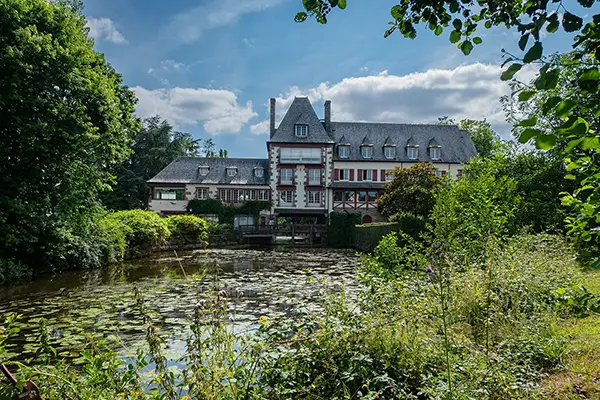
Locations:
{"points": [[359, 175], [352, 174], [336, 173], [375, 175], [383, 175], [444, 173]]}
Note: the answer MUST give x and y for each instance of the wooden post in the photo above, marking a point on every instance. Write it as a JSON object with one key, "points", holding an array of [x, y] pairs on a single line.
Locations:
{"points": [[293, 230]]}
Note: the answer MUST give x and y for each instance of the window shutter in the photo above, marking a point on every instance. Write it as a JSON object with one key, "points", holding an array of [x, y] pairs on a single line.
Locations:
{"points": [[375, 175], [359, 175], [444, 173], [336, 173], [383, 175], [352, 174]]}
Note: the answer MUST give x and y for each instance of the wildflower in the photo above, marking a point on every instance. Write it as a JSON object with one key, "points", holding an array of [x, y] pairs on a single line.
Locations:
{"points": [[263, 320]]}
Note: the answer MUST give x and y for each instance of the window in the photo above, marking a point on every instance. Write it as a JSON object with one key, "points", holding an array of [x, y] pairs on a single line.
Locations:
{"points": [[438, 172], [263, 195], [366, 151], [367, 174], [259, 172], [459, 173], [202, 193], [286, 196], [299, 156], [349, 196], [204, 170], [362, 196], [389, 152], [344, 151], [252, 195], [169, 194], [412, 153], [301, 130], [435, 153], [344, 174], [228, 195], [314, 198], [389, 175], [372, 196], [286, 175], [231, 171], [314, 176], [338, 196]]}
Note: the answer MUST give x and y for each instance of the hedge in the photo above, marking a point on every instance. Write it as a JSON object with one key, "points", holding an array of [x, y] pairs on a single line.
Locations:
{"points": [[340, 232], [226, 212], [368, 236]]}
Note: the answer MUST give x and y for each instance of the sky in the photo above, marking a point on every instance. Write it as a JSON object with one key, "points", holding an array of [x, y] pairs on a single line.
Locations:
{"points": [[210, 66]]}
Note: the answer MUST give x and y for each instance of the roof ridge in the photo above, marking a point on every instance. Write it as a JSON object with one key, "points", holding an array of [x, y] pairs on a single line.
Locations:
{"points": [[390, 123]]}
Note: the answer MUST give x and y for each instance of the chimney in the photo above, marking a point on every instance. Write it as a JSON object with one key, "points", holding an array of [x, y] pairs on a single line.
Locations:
{"points": [[328, 115], [272, 118]]}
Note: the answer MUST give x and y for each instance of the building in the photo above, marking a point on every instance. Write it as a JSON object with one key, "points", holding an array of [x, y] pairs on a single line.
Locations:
{"points": [[314, 166]]}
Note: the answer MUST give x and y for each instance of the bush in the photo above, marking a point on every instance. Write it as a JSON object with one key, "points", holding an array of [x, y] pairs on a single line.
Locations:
{"points": [[367, 236], [189, 227], [225, 212], [340, 232], [132, 233], [12, 271]]}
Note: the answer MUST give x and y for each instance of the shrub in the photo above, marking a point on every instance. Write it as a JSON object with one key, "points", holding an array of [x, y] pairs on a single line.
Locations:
{"points": [[225, 212], [340, 232], [188, 226], [367, 236], [139, 230], [12, 271]]}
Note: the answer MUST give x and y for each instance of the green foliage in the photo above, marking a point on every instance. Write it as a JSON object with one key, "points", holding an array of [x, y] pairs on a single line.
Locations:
{"points": [[66, 116], [367, 236], [340, 231], [412, 191], [395, 254], [486, 141], [188, 226], [132, 233], [226, 213]]}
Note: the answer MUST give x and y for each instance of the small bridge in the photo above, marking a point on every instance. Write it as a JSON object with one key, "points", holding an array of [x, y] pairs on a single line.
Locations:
{"points": [[292, 233]]}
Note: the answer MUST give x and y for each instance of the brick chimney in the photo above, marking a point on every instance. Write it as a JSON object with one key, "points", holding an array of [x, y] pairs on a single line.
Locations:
{"points": [[272, 118], [328, 115]]}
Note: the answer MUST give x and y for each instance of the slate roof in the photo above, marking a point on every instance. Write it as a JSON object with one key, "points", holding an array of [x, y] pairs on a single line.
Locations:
{"points": [[356, 185], [185, 170], [300, 112], [456, 145]]}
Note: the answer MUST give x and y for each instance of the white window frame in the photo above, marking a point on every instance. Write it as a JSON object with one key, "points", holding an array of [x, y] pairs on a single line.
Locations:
{"points": [[285, 195], [301, 130], [259, 172], [291, 175], [204, 171], [231, 171], [366, 152], [167, 194], [437, 151], [345, 153], [314, 176], [202, 193], [295, 155], [412, 152], [314, 197], [389, 152], [344, 174], [367, 174]]}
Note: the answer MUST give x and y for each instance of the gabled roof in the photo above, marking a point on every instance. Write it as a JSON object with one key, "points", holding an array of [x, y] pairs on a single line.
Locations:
{"points": [[343, 140], [433, 143], [456, 145], [366, 141], [389, 142], [185, 170], [300, 112]]}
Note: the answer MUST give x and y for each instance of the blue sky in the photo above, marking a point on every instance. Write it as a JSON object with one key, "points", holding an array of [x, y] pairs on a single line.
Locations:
{"points": [[210, 66]]}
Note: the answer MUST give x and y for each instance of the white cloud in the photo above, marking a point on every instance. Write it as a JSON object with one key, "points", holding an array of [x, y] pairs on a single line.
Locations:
{"points": [[189, 26], [217, 110], [468, 91], [172, 65], [104, 28]]}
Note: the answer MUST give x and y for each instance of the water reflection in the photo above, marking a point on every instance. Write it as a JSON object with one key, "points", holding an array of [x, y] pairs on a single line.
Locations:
{"points": [[101, 302]]}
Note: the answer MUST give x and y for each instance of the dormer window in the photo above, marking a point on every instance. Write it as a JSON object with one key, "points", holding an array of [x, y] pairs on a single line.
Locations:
{"points": [[366, 151], [231, 171], [344, 151], [412, 152], [435, 153], [259, 172], [389, 152], [301, 130], [204, 170]]}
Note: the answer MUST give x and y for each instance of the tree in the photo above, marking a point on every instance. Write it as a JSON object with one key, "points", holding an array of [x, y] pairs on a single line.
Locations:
{"points": [[412, 191], [65, 116], [485, 139], [531, 19], [154, 147]]}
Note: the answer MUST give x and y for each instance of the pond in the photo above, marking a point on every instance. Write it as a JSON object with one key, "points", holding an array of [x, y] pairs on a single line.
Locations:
{"points": [[101, 303]]}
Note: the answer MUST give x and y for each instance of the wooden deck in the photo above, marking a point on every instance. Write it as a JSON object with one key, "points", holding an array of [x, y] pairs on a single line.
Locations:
{"points": [[304, 233]]}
